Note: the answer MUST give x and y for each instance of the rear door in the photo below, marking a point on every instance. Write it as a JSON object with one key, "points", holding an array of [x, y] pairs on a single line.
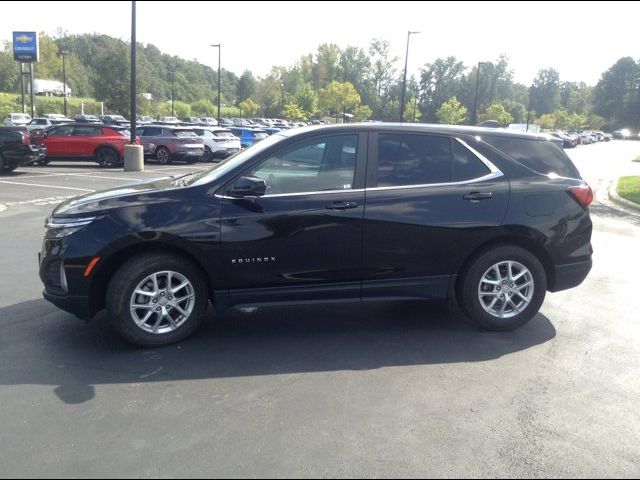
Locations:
{"points": [[85, 139], [431, 200]]}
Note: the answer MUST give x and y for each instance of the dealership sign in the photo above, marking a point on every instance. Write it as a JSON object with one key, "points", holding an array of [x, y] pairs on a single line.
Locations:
{"points": [[25, 47]]}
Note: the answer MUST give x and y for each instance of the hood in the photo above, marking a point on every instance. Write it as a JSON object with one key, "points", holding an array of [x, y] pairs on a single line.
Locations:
{"points": [[128, 195]]}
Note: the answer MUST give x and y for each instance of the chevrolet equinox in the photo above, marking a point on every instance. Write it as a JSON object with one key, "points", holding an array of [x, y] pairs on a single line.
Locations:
{"points": [[339, 213]]}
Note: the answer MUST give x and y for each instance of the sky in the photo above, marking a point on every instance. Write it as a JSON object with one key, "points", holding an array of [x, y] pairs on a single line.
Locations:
{"points": [[579, 39]]}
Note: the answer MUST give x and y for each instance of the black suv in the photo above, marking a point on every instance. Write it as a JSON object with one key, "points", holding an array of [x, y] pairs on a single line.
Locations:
{"points": [[330, 214]]}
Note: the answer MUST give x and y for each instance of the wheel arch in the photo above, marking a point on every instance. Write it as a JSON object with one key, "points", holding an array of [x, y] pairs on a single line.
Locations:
{"points": [[523, 240], [106, 270]]}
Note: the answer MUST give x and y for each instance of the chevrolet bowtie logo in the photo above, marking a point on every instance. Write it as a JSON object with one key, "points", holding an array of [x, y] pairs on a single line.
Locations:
{"points": [[253, 260], [24, 39]]}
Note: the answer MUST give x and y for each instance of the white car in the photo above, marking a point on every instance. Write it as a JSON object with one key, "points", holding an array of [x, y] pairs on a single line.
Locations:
{"points": [[17, 120], [219, 143], [169, 121], [212, 122]]}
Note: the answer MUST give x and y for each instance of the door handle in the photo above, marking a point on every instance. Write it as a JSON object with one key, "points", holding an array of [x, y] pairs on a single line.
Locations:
{"points": [[341, 205], [475, 197]]}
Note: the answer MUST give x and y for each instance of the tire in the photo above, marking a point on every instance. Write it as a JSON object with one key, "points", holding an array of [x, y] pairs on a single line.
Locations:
{"points": [[163, 155], [208, 155], [2, 165], [128, 279], [477, 290], [106, 157]]}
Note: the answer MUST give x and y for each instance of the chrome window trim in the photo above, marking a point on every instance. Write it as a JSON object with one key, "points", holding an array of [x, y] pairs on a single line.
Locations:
{"points": [[494, 172]]}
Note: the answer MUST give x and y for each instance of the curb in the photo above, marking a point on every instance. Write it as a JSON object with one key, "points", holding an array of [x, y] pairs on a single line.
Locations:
{"points": [[619, 201]]}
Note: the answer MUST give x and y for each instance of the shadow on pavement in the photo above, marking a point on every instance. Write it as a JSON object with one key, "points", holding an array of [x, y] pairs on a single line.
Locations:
{"points": [[43, 346], [607, 212]]}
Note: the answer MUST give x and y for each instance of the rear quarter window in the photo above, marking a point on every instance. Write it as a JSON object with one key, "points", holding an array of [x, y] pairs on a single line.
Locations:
{"points": [[541, 156]]}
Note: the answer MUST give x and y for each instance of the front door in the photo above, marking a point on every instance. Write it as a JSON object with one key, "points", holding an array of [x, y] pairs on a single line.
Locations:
{"points": [[302, 240], [58, 140]]}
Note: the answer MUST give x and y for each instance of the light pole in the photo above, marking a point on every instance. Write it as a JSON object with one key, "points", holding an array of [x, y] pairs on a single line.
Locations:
{"points": [[172, 70], [219, 47], [529, 109], [404, 78], [134, 118], [63, 54], [475, 100]]}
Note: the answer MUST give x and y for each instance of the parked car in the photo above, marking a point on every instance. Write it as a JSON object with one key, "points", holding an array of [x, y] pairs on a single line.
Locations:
{"points": [[57, 118], [87, 141], [87, 119], [115, 120], [166, 144], [219, 143], [168, 121], [209, 121], [567, 141], [623, 134], [144, 120], [249, 136], [17, 148], [341, 213], [17, 119], [192, 121], [39, 122], [225, 122], [262, 122]]}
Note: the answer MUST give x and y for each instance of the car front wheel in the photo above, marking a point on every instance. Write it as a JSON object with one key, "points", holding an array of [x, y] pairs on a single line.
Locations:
{"points": [[157, 299], [503, 288]]}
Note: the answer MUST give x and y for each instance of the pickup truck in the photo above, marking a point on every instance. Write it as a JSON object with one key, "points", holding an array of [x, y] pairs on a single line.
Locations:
{"points": [[19, 147]]}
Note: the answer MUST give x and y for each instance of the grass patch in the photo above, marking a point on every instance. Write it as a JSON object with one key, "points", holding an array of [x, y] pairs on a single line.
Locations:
{"points": [[629, 189]]}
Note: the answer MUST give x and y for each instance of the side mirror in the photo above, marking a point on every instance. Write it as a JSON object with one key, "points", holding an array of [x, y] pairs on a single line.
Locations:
{"points": [[248, 187]]}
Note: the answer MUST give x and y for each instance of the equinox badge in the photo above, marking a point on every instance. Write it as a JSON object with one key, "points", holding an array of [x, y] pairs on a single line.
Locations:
{"points": [[254, 260]]}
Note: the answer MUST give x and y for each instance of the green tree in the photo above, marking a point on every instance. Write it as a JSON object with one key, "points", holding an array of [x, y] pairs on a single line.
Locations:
{"points": [[203, 108], [452, 112], [362, 113], [248, 108], [307, 99], [617, 94], [517, 111], [497, 112], [439, 81], [339, 98], [247, 86], [546, 91], [294, 112]]}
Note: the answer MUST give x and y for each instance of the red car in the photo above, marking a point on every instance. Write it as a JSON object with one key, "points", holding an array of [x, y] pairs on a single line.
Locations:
{"points": [[101, 143]]}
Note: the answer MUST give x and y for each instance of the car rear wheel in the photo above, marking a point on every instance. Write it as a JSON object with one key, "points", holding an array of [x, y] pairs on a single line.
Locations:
{"points": [[503, 288], [163, 155], [157, 299], [107, 158]]}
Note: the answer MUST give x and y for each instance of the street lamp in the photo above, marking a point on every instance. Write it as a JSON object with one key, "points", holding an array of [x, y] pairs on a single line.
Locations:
{"points": [[404, 79], [219, 47], [63, 54], [475, 100], [172, 70]]}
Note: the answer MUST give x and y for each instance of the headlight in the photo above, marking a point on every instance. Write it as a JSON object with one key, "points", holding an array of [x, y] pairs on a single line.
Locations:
{"points": [[62, 227]]}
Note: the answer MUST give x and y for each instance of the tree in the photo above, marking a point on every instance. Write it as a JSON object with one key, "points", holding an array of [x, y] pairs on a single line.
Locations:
{"points": [[203, 108], [307, 99], [362, 112], [339, 98], [294, 112], [452, 112], [248, 108], [383, 74], [517, 111], [617, 94], [439, 81], [247, 86], [497, 112], [546, 91]]}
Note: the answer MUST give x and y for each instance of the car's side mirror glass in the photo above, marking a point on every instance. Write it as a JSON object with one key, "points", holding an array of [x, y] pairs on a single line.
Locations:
{"points": [[248, 187]]}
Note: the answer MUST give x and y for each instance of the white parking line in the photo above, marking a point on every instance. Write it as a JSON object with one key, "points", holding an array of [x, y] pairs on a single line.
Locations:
{"points": [[41, 201], [46, 186]]}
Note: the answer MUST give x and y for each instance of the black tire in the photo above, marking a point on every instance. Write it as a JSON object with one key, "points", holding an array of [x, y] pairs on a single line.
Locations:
{"points": [[125, 281], [208, 155], [469, 284], [106, 157], [2, 165], [163, 155]]}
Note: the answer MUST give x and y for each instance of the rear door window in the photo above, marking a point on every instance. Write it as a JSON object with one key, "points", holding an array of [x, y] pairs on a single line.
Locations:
{"points": [[413, 159], [541, 156], [151, 132], [86, 130]]}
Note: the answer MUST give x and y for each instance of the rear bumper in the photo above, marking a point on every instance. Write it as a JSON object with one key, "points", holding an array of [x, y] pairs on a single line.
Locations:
{"points": [[570, 275], [78, 306]]}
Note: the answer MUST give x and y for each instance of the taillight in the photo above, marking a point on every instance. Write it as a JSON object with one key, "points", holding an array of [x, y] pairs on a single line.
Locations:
{"points": [[26, 138], [581, 194]]}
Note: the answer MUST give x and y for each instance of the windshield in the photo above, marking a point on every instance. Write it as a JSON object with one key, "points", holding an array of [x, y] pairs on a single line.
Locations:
{"points": [[234, 161]]}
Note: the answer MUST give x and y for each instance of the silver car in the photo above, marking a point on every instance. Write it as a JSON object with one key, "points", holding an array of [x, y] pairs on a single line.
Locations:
{"points": [[219, 143], [166, 144], [17, 120]]}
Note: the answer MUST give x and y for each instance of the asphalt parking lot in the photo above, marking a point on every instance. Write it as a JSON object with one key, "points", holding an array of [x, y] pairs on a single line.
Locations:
{"points": [[381, 390]]}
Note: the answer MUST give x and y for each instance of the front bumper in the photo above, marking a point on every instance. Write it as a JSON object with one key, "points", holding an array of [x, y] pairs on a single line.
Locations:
{"points": [[78, 306], [570, 275]]}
